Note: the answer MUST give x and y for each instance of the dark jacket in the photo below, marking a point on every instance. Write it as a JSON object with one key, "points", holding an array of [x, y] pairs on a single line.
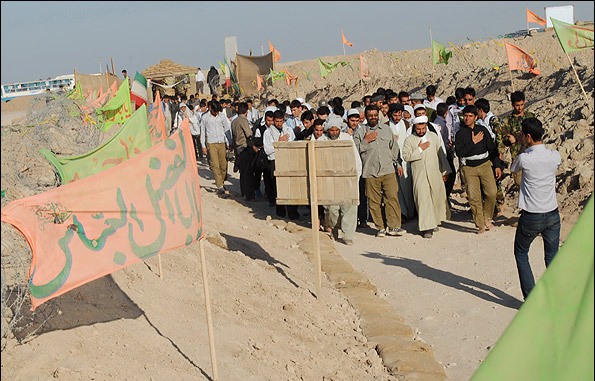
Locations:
{"points": [[464, 146]]}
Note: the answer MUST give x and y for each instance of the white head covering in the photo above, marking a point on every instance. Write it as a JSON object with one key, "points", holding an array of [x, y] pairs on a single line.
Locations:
{"points": [[182, 104], [409, 109], [420, 119], [352, 111], [301, 100], [307, 105], [419, 105]]}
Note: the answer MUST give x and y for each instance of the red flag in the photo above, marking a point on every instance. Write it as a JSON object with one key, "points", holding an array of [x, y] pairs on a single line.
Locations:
{"points": [[345, 40], [532, 17], [276, 54], [519, 60]]}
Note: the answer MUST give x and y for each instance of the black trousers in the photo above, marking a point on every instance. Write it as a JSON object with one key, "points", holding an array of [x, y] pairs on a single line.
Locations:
{"points": [[290, 211]]}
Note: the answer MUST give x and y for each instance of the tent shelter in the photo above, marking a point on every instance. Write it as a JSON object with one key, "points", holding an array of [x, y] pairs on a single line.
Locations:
{"points": [[167, 73]]}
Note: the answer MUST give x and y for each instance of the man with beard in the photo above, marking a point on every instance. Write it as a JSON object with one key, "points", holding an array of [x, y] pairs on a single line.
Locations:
{"points": [[379, 152], [429, 167]]}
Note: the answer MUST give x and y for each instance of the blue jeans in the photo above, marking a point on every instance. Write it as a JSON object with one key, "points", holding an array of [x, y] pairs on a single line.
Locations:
{"points": [[530, 225]]}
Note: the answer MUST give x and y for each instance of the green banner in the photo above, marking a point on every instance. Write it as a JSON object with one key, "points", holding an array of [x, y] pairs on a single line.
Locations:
{"points": [[130, 140], [327, 68], [572, 37], [440, 54], [551, 337], [118, 109]]}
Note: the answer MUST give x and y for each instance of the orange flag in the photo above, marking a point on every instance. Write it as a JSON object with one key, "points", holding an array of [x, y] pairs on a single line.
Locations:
{"points": [[157, 121], [532, 17], [345, 40], [97, 225], [290, 78], [519, 60], [364, 69], [259, 82], [276, 54], [113, 90]]}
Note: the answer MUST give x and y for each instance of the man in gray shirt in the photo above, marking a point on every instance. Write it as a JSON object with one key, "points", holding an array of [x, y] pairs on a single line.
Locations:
{"points": [[537, 201], [379, 152]]}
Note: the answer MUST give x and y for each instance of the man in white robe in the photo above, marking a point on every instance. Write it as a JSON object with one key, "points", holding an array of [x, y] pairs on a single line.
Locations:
{"points": [[429, 167]]}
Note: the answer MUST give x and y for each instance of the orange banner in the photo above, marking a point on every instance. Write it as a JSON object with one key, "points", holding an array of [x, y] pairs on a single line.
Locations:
{"points": [[290, 78], [519, 60], [532, 17], [89, 228], [276, 54], [345, 40], [157, 121], [364, 69]]}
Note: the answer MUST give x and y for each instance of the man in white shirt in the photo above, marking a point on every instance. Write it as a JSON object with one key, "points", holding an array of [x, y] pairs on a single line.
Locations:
{"points": [[537, 201], [200, 82], [278, 132], [215, 134]]}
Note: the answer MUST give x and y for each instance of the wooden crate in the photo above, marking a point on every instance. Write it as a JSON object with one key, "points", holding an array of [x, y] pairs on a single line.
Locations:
{"points": [[336, 174]]}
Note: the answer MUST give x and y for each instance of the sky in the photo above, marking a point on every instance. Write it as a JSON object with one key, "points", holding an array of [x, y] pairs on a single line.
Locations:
{"points": [[40, 40]]}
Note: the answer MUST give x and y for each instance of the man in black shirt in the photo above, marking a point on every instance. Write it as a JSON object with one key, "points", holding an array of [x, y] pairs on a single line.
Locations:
{"points": [[478, 154]]}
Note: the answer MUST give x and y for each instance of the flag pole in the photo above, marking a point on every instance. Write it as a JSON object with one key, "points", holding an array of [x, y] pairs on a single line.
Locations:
{"points": [[526, 9], [314, 211], [342, 43], [208, 310], [577, 78], [432, 54]]}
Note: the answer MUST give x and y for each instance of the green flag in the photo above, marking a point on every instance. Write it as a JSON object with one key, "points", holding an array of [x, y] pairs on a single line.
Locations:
{"points": [[117, 109], [551, 337], [130, 140], [328, 68], [572, 37], [440, 54], [77, 92], [276, 75]]}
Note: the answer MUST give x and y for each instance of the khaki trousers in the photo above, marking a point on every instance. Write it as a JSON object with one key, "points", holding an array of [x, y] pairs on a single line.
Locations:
{"points": [[218, 162], [478, 179], [385, 187]]}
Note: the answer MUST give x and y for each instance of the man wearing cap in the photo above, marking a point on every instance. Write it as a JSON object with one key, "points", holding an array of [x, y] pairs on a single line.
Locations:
{"points": [[399, 130], [418, 99], [430, 169], [343, 217], [379, 152]]}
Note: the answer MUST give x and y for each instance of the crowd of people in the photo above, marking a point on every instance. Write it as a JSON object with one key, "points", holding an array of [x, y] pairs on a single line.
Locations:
{"points": [[410, 151]]}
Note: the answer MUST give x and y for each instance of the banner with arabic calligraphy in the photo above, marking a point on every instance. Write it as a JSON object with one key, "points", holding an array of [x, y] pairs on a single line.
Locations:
{"points": [[130, 140], [118, 108], [157, 121], [519, 60], [89, 228], [572, 37]]}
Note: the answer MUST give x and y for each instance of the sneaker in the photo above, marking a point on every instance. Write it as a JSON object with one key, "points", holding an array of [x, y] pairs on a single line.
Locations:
{"points": [[348, 242], [381, 233], [395, 231], [428, 234]]}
